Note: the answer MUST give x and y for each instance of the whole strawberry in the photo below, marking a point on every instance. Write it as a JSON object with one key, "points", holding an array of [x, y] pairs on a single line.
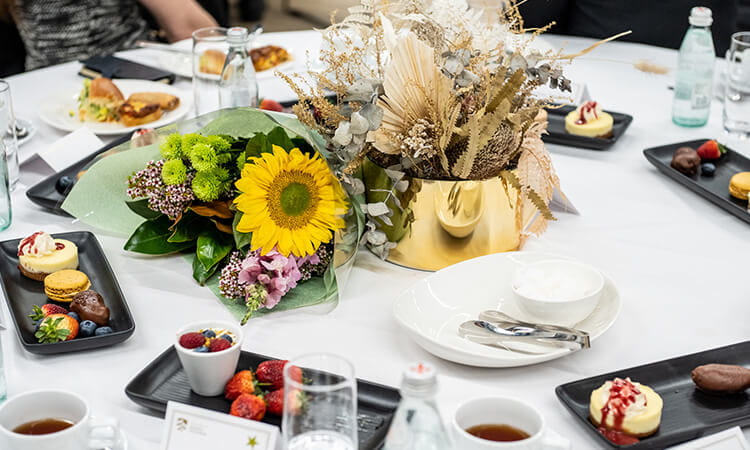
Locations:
{"points": [[711, 150], [242, 382], [248, 406], [38, 313], [192, 340], [275, 401], [271, 105], [57, 328], [272, 373]]}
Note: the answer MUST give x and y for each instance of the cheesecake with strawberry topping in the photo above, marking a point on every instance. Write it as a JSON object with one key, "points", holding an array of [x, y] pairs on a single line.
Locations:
{"points": [[589, 120], [40, 255], [625, 407]]}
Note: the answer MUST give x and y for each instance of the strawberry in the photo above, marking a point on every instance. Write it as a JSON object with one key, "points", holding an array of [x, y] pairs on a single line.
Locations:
{"points": [[57, 328], [38, 313], [272, 372], [271, 105], [248, 406], [243, 382], [711, 150], [218, 345], [192, 340], [275, 402]]}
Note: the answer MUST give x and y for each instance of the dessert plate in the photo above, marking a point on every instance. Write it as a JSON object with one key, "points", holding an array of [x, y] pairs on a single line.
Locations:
{"points": [[164, 380], [61, 110], [432, 310], [556, 133], [688, 412], [21, 293], [714, 189]]}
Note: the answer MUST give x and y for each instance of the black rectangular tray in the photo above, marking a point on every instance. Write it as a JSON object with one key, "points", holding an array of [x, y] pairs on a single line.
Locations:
{"points": [[21, 293], [47, 196], [714, 189], [688, 412], [164, 380], [558, 135]]}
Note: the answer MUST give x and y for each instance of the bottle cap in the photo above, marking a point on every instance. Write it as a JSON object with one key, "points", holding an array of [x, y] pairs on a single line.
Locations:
{"points": [[700, 16], [420, 379], [237, 35]]}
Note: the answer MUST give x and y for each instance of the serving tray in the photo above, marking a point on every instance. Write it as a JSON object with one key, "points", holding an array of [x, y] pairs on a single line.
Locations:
{"points": [[558, 135], [688, 413], [164, 380], [714, 189], [21, 293]]}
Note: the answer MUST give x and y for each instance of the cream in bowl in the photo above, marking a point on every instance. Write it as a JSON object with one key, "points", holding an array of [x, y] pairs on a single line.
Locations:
{"points": [[557, 291]]}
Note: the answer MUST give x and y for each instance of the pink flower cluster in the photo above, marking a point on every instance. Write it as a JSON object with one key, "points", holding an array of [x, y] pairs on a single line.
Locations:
{"points": [[170, 200]]}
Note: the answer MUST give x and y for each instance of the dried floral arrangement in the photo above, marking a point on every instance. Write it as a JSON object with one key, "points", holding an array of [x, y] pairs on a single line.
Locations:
{"points": [[432, 90]]}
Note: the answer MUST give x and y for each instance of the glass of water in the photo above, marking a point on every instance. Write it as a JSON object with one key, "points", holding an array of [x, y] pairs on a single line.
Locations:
{"points": [[320, 405], [209, 52], [5, 207], [737, 91], [8, 132]]}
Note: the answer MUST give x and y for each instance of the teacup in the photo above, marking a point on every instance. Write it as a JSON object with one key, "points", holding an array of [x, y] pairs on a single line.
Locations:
{"points": [[503, 411], [85, 432]]}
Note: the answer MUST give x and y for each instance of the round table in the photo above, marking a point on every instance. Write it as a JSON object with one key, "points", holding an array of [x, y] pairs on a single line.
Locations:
{"points": [[680, 263]]}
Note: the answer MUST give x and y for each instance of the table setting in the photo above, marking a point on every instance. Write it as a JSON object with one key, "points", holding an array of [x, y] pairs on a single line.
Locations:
{"points": [[411, 230]]}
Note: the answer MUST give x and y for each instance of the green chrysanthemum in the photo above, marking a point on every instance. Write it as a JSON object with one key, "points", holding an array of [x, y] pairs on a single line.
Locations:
{"points": [[171, 148], [218, 143], [174, 172], [189, 141], [203, 157], [208, 185]]}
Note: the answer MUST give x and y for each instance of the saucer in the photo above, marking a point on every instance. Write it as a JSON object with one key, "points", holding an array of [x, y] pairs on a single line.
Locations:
{"points": [[432, 310]]}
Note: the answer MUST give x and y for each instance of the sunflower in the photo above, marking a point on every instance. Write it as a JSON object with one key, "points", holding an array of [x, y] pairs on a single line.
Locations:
{"points": [[290, 201]]}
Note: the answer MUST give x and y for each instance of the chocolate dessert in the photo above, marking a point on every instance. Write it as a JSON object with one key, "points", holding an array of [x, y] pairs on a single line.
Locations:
{"points": [[686, 160], [721, 378], [89, 305]]}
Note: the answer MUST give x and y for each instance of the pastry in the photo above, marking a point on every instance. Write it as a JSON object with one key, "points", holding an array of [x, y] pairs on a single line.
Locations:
{"points": [[627, 407], [268, 57], [134, 113], [39, 255], [63, 285], [589, 120], [167, 102], [211, 62], [739, 185], [89, 305], [686, 160], [721, 378]]}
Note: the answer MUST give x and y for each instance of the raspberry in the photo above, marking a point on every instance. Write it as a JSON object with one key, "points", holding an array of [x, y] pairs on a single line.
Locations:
{"points": [[218, 345], [192, 340]]}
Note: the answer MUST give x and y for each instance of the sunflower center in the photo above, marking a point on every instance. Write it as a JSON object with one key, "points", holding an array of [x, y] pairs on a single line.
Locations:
{"points": [[293, 199]]}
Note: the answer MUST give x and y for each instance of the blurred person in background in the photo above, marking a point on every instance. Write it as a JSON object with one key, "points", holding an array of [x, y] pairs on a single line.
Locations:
{"points": [[56, 31]]}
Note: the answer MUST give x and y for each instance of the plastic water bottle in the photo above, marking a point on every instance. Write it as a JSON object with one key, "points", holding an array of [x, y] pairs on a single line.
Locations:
{"points": [[695, 72], [417, 423], [238, 85]]}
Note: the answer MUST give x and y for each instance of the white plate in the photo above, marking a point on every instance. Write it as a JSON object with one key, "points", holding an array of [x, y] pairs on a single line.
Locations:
{"points": [[30, 128], [55, 110], [432, 309]]}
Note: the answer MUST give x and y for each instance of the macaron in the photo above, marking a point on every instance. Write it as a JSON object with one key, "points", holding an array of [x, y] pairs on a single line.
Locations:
{"points": [[63, 285], [739, 185]]}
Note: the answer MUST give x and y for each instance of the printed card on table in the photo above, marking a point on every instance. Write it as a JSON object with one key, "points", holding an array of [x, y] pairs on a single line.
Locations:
{"points": [[190, 428]]}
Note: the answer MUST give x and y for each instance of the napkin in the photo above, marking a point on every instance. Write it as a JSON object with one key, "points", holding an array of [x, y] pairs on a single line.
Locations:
{"points": [[70, 149], [731, 439]]}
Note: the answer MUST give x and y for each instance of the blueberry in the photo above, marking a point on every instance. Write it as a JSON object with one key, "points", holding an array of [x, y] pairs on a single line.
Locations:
{"points": [[202, 349], [708, 169], [87, 328], [64, 184], [227, 337], [209, 334], [101, 331], [75, 316]]}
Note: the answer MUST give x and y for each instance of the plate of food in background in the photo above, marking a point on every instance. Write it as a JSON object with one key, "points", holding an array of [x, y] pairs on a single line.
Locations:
{"points": [[110, 108]]}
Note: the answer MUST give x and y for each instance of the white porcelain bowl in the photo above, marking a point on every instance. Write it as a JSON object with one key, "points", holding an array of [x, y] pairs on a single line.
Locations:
{"points": [[558, 291]]}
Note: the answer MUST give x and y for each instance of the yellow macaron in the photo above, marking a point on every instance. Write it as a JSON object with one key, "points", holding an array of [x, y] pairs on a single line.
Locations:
{"points": [[739, 185], [63, 285]]}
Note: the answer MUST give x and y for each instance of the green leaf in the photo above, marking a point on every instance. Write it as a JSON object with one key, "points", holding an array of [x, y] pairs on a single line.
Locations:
{"points": [[303, 146], [257, 145], [188, 228], [212, 247], [151, 238], [141, 208], [278, 136], [201, 274], [241, 240]]}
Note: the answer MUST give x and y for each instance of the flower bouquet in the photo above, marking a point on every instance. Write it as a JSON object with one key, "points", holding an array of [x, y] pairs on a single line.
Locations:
{"points": [[250, 196]]}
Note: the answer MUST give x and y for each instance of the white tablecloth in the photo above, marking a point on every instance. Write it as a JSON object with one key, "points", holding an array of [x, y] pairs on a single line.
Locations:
{"points": [[681, 265]]}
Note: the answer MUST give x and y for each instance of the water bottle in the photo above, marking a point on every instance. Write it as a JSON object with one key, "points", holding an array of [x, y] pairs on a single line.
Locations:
{"points": [[238, 85], [695, 72], [417, 423]]}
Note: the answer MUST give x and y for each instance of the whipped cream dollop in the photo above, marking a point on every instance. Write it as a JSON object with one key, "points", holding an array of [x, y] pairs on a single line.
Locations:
{"points": [[38, 244], [588, 112], [623, 397]]}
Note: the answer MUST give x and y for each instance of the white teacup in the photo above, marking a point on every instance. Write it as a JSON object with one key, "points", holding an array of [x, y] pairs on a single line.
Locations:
{"points": [[503, 411], [85, 433]]}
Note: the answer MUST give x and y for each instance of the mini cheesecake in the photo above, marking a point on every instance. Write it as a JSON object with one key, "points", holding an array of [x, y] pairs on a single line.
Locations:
{"points": [[40, 255], [589, 120], [627, 407]]}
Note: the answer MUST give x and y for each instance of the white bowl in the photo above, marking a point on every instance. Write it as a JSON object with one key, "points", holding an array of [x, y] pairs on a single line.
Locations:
{"points": [[557, 291], [208, 373]]}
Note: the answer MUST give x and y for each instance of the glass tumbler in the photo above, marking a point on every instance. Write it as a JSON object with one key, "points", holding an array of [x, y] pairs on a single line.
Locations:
{"points": [[320, 413], [737, 90], [209, 51], [5, 209], [8, 132]]}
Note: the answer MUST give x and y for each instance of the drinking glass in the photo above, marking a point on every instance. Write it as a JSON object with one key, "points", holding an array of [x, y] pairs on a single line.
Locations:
{"points": [[5, 209], [8, 132], [737, 91], [320, 413], [206, 85]]}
